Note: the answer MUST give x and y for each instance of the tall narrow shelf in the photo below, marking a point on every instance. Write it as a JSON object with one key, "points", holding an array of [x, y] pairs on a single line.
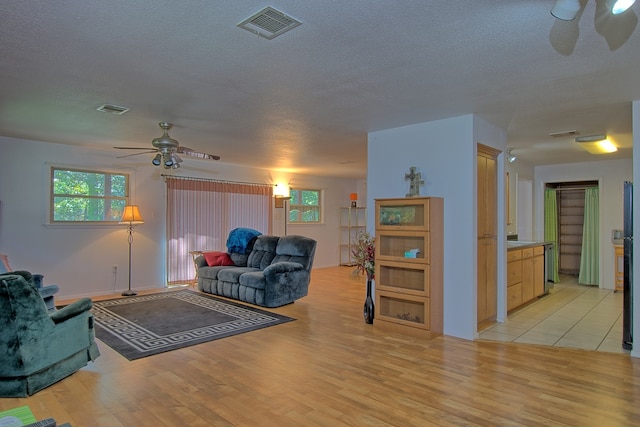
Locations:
{"points": [[352, 221], [409, 293]]}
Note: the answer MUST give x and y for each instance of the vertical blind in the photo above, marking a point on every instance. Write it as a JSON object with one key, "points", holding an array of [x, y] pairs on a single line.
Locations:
{"points": [[202, 212]]}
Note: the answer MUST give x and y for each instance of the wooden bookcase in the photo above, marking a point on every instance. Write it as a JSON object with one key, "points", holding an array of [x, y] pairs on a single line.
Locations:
{"points": [[409, 292]]}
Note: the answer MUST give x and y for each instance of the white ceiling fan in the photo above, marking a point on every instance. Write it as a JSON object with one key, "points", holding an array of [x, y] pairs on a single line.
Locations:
{"points": [[167, 150]]}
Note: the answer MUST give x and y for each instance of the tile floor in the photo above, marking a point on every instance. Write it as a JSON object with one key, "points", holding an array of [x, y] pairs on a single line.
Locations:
{"points": [[571, 315]]}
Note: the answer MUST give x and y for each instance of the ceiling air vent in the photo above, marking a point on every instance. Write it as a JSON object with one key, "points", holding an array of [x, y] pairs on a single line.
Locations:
{"points": [[113, 109], [564, 134], [269, 23]]}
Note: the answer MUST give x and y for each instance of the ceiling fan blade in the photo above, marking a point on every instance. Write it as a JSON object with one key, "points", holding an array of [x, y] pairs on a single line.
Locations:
{"points": [[134, 148], [189, 152], [136, 154]]}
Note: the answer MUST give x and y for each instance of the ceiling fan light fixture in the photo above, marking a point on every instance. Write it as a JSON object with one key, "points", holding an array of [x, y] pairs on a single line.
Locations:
{"points": [[619, 6], [157, 159], [510, 156], [566, 10]]}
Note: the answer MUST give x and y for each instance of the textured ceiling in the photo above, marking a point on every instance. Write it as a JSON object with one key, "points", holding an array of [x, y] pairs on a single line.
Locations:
{"points": [[306, 100]]}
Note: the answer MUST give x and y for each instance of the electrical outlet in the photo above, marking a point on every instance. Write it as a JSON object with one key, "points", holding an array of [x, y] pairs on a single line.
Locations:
{"points": [[114, 269]]}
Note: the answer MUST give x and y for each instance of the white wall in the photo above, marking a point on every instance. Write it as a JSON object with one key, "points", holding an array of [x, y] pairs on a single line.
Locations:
{"points": [[635, 352], [80, 259], [444, 151], [610, 174]]}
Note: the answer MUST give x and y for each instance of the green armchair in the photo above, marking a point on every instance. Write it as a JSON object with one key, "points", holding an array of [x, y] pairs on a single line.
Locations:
{"points": [[41, 347]]}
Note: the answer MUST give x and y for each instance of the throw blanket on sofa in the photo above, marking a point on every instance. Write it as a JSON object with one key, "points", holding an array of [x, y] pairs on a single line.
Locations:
{"points": [[239, 239]]}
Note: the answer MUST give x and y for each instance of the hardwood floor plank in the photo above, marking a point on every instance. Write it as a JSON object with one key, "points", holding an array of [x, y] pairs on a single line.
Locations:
{"points": [[329, 368]]}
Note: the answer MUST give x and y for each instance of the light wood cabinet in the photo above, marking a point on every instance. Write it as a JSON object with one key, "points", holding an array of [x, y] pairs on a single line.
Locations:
{"points": [[525, 275], [409, 292], [619, 267], [487, 283]]}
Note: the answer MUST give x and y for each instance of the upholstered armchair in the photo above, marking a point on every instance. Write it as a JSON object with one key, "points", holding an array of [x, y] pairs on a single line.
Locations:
{"points": [[40, 347], [46, 292]]}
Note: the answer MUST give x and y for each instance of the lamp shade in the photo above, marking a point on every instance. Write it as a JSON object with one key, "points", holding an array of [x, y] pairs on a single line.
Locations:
{"points": [[353, 196], [566, 10], [131, 215], [281, 190]]}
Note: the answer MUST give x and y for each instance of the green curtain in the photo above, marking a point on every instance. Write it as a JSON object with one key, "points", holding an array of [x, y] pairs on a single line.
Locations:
{"points": [[551, 227], [589, 258]]}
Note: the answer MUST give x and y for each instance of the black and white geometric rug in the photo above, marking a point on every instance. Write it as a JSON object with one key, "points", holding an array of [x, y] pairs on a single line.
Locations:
{"points": [[145, 325]]}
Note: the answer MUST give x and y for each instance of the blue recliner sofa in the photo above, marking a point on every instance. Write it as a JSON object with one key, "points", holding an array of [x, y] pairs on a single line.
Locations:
{"points": [[40, 348], [269, 271]]}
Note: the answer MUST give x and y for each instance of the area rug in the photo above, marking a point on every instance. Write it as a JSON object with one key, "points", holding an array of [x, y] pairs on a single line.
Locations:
{"points": [[145, 325]]}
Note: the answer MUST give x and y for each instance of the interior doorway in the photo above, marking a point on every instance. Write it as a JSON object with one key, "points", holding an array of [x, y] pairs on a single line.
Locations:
{"points": [[570, 199]]}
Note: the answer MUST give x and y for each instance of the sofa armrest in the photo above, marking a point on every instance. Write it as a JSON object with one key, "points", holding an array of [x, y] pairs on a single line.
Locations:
{"points": [[75, 308], [282, 267], [200, 261]]}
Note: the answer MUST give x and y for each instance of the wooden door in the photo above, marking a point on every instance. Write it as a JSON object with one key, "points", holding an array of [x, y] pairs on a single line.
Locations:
{"points": [[538, 275], [487, 286]]}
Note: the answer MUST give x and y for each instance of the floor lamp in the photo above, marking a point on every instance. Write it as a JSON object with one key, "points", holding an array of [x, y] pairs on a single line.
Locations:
{"points": [[131, 216]]}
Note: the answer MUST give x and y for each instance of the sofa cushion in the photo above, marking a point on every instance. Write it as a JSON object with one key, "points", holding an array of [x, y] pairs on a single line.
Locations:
{"points": [[253, 279], [212, 272], [232, 274], [217, 258], [264, 250]]}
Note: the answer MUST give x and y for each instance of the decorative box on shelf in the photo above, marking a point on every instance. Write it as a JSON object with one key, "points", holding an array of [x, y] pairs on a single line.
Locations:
{"points": [[409, 264]]}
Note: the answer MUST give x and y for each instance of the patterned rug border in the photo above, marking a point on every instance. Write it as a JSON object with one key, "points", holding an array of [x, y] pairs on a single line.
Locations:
{"points": [[133, 341]]}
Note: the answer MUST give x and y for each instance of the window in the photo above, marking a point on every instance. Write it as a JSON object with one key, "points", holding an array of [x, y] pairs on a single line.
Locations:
{"points": [[87, 196], [304, 206]]}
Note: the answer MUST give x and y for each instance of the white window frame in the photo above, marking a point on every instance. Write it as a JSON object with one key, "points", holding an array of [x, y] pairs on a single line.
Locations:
{"points": [[96, 170], [291, 206]]}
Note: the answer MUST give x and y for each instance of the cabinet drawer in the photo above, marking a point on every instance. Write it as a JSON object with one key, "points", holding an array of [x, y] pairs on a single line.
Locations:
{"points": [[403, 309], [538, 250], [403, 277], [514, 296], [514, 272], [514, 255], [527, 253]]}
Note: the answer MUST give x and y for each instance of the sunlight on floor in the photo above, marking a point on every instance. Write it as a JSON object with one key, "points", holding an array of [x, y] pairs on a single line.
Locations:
{"points": [[572, 315]]}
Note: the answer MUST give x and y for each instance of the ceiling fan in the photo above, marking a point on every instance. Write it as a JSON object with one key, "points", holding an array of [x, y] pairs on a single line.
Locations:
{"points": [[167, 150]]}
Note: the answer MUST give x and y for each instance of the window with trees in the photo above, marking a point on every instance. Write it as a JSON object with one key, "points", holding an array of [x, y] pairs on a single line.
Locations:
{"points": [[86, 196], [304, 206]]}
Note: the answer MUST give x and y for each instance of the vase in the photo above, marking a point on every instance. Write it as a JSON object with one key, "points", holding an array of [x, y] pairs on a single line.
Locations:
{"points": [[368, 302]]}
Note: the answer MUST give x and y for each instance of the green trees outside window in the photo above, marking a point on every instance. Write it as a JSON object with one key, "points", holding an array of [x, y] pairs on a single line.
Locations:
{"points": [[87, 196], [304, 206]]}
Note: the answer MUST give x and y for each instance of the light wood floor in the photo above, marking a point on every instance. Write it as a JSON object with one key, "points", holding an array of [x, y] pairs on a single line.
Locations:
{"points": [[329, 368]]}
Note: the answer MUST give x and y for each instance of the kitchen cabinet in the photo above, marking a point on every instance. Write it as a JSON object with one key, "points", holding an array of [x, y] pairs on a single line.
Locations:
{"points": [[409, 264], [619, 267], [487, 283], [525, 275]]}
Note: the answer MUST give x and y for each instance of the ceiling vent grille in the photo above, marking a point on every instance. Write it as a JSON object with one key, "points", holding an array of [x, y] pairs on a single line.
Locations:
{"points": [[113, 109], [269, 23], [564, 134]]}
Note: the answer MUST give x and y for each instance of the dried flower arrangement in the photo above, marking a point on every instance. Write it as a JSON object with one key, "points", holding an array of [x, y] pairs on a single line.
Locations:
{"points": [[364, 253]]}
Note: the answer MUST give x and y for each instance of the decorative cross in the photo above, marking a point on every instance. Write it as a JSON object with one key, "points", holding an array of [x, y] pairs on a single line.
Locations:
{"points": [[415, 181]]}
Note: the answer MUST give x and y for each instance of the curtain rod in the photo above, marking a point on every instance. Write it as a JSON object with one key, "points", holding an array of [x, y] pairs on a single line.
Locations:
{"points": [[572, 188], [215, 180]]}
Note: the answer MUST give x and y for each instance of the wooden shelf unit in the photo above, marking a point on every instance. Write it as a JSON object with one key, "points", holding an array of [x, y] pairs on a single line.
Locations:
{"points": [[409, 292], [352, 221]]}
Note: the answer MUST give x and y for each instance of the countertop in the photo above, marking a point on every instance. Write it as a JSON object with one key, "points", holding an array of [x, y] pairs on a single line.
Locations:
{"points": [[519, 244]]}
